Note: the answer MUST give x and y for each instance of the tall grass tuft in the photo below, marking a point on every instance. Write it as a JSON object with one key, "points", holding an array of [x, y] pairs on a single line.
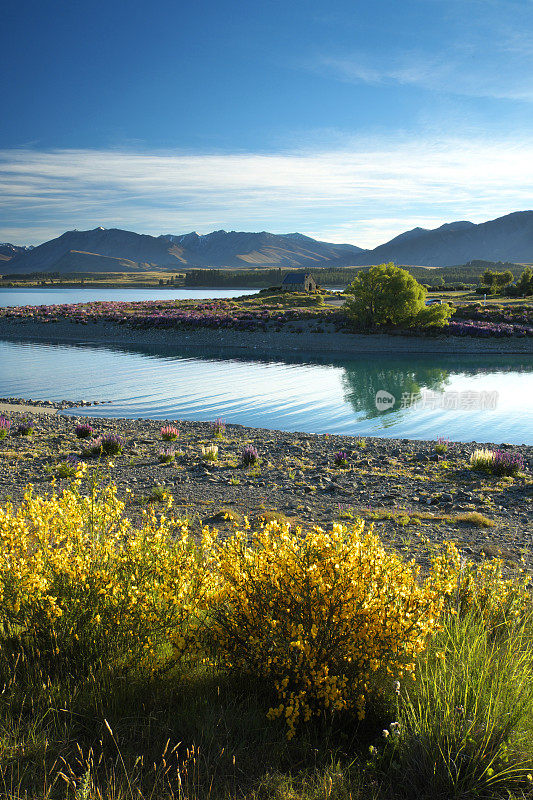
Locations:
{"points": [[210, 452], [466, 726], [482, 459]]}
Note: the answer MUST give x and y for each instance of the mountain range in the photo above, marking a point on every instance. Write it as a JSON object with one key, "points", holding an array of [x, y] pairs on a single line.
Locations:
{"points": [[508, 238], [9, 251]]}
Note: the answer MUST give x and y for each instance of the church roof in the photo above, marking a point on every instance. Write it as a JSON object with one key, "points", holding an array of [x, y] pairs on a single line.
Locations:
{"points": [[295, 277]]}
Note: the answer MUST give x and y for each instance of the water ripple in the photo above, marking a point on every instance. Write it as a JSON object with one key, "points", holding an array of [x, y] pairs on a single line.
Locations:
{"points": [[308, 395]]}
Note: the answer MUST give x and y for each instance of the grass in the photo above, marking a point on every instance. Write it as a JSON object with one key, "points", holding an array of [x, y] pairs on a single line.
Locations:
{"points": [[416, 517], [264, 517], [465, 730], [156, 495], [203, 738], [474, 518], [148, 278], [225, 514], [480, 688]]}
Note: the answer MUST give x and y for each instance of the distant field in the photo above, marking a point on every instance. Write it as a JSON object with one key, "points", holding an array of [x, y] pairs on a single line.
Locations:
{"points": [[468, 297], [326, 277], [107, 280]]}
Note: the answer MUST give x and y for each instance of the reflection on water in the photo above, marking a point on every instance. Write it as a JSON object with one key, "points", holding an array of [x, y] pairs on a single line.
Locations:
{"points": [[365, 379], [299, 393]]}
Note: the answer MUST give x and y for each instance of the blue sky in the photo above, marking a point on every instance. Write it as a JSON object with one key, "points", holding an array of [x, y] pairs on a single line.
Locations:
{"points": [[348, 121]]}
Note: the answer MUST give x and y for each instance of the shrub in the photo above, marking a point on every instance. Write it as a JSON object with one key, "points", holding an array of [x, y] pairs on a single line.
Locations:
{"points": [[340, 459], [507, 462], [389, 295], [210, 452], [219, 428], [84, 431], [321, 617], [67, 468], [24, 428], [442, 445], [78, 583], [5, 425], [109, 445], [167, 455], [249, 456], [169, 433]]}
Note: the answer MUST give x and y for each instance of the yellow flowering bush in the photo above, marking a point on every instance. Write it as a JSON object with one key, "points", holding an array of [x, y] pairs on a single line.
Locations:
{"points": [[485, 589], [321, 616], [79, 583]]}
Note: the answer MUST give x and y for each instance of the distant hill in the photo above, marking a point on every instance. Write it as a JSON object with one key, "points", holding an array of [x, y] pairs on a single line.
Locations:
{"points": [[93, 262], [508, 238], [80, 251]]}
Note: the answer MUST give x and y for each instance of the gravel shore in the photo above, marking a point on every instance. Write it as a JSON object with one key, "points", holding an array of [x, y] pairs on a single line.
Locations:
{"points": [[405, 488], [294, 338]]}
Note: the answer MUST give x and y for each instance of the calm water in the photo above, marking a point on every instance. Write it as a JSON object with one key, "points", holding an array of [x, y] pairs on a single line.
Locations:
{"points": [[50, 295], [304, 394]]}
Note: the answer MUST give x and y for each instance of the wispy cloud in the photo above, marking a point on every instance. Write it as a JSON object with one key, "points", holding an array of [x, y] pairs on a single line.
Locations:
{"points": [[450, 73], [364, 192], [483, 50]]}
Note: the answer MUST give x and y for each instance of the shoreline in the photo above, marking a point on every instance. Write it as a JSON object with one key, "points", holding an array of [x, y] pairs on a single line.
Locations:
{"points": [[404, 487], [260, 342]]}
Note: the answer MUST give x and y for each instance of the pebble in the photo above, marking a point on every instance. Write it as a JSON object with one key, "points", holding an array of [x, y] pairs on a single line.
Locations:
{"points": [[378, 480]]}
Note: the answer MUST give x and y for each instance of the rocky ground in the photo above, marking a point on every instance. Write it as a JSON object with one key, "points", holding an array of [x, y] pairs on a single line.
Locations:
{"points": [[409, 491]]}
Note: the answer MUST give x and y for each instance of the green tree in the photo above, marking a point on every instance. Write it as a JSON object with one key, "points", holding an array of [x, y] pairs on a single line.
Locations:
{"points": [[487, 278], [524, 285], [497, 280], [389, 295]]}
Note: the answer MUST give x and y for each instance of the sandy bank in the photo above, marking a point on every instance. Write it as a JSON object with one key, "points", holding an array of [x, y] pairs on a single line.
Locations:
{"points": [[260, 343], [25, 408]]}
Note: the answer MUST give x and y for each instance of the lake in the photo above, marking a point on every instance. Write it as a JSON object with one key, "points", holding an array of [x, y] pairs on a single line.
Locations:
{"points": [[50, 295], [481, 398]]}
